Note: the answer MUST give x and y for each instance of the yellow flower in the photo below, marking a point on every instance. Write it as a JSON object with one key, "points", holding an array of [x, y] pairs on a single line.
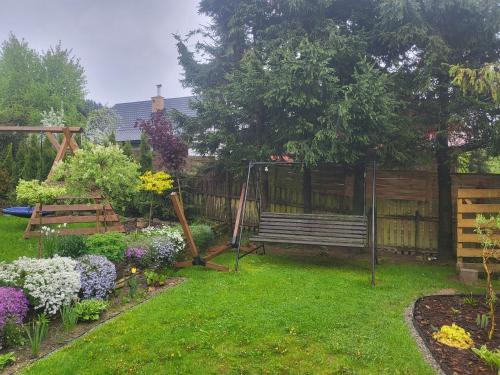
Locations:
{"points": [[157, 182], [133, 270], [454, 336]]}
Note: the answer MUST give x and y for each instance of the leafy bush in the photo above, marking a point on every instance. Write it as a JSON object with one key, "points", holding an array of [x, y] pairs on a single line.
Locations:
{"points": [[110, 244], [454, 336], [13, 305], [97, 275], [90, 309], [99, 168], [203, 236], [72, 246], [491, 357], [6, 359], [48, 283], [32, 192], [12, 334], [174, 234], [157, 278]]}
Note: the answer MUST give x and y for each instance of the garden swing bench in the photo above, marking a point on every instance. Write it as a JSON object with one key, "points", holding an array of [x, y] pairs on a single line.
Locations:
{"points": [[309, 229]]}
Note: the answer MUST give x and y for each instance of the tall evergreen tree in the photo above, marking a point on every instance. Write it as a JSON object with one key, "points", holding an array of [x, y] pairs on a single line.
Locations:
{"points": [[145, 154], [127, 149], [31, 159]]}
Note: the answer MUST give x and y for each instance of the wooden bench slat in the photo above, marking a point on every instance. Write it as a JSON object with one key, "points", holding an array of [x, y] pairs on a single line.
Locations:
{"points": [[79, 219], [314, 216], [312, 232], [309, 242], [291, 226], [311, 222], [76, 207], [345, 238]]}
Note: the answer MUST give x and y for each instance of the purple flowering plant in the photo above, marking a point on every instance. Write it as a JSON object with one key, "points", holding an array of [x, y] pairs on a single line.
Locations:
{"points": [[97, 275], [13, 305], [136, 255], [164, 251]]}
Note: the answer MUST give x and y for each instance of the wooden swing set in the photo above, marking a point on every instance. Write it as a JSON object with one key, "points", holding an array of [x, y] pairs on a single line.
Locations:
{"points": [[85, 209]]}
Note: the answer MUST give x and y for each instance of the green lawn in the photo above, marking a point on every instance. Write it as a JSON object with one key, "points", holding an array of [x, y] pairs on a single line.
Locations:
{"points": [[279, 315], [12, 244]]}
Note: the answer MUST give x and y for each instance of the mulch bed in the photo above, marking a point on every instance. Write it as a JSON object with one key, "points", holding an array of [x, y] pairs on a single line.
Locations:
{"points": [[57, 338], [432, 312]]}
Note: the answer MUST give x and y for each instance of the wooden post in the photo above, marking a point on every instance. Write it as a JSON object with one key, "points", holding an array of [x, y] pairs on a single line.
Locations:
{"points": [[185, 227]]}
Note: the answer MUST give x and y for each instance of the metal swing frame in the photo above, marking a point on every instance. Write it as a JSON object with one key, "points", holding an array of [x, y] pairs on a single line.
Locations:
{"points": [[372, 225]]}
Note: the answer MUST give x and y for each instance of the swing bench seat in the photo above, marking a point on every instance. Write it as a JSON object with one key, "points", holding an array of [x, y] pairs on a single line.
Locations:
{"points": [[313, 229]]}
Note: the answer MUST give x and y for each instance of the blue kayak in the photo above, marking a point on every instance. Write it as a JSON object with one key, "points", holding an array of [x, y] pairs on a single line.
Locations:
{"points": [[21, 211]]}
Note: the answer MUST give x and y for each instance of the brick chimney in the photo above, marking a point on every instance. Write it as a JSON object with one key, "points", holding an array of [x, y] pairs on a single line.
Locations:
{"points": [[158, 100]]}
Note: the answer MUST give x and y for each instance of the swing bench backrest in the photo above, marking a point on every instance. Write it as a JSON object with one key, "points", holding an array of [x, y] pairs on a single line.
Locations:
{"points": [[313, 229]]}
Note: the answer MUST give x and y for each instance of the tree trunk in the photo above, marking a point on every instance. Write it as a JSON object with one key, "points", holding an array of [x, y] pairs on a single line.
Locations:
{"points": [[358, 194], [445, 232], [307, 190]]}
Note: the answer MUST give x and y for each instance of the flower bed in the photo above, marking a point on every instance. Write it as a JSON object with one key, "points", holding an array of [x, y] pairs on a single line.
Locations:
{"points": [[433, 312]]}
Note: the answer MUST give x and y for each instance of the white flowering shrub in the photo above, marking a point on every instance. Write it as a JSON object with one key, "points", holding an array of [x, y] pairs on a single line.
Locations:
{"points": [[172, 234], [48, 283]]}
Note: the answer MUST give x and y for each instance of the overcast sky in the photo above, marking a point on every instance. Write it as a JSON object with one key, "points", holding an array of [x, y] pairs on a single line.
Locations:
{"points": [[125, 46]]}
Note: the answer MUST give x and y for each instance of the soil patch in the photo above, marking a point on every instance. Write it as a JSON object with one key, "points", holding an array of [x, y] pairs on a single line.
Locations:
{"points": [[58, 338], [432, 312]]}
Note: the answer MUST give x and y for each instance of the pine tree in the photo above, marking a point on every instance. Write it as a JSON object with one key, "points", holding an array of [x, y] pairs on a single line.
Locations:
{"points": [[31, 159], [145, 154], [127, 149]]}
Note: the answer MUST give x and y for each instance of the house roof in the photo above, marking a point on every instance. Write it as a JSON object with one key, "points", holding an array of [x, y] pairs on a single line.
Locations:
{"points": [[129, 113]]}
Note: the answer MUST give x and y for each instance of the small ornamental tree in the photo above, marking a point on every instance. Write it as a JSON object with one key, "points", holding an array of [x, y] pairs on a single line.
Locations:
{"points": [[155, 183], [96, 168], [172, 150], [487, 229]]}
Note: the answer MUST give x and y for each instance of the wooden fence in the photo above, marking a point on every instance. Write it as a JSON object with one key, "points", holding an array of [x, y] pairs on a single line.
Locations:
{"points": [[470, 203], [407, 206]]}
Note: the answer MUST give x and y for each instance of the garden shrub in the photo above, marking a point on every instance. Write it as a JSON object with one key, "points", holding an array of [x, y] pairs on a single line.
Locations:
{"points": [[12, 334], [13, 305], [48, 283], [110, 244], [90, 309], [72, 246], [163, 252], [491, 357], [97, 275], [203, 236]]}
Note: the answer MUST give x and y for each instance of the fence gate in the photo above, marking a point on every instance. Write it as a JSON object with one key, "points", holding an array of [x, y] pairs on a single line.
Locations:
{"points": [[470, 203]]}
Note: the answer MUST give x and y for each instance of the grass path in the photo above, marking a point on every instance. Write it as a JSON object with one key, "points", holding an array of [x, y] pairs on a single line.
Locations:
{"points": [[279, 315]]}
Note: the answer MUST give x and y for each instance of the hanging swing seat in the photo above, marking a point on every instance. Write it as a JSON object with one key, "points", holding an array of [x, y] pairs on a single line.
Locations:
{"points": [[313, 229]]}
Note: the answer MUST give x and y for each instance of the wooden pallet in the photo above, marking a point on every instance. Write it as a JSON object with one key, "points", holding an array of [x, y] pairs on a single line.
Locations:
{"points": [[470, 203]]}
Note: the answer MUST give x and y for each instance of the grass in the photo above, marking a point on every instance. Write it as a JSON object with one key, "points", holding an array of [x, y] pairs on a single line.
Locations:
{"points": [[12, 244], [279, 315]]}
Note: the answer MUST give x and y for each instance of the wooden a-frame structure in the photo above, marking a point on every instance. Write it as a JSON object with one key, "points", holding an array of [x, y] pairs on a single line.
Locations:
{"points": [[93, 210]]}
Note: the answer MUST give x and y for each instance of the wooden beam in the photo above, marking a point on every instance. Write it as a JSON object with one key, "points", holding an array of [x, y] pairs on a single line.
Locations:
{"points": [[38, 129], [53, 140], [185, 227]]}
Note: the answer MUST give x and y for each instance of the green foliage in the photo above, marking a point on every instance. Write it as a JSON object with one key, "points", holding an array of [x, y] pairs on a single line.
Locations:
{"points": [[157, 279], [32, 192], [6, 359], [69, 317], [491, 357], [101, 126], [203, 235], [110, 244], [484, 80], [32, 82], [12, 334], [37, 331], [127, 149], [72, 246], [470, 300], [482, 321], [99, 168], [90, 309], [145, 154]]}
